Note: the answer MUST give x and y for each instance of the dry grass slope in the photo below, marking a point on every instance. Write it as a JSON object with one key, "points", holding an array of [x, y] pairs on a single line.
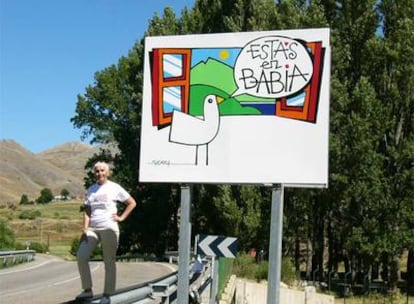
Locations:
{"points": [[56, 224], [23, 172]]}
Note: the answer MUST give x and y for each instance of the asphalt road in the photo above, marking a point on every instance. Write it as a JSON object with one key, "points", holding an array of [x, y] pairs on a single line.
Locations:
{"points": [[49, 279]]}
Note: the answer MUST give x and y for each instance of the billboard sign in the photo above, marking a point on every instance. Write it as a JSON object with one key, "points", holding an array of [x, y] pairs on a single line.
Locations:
{"points": [[249, 107]]}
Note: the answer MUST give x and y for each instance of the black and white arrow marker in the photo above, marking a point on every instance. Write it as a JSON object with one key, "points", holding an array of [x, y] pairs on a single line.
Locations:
{"points": [[217, 246]]}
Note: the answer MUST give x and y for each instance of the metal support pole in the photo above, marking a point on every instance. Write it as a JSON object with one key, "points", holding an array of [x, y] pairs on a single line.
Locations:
{"points": [[275, 246], [214, 283], [184, 247]]}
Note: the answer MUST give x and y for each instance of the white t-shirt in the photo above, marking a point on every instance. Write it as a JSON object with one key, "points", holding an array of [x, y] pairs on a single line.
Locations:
{"points": [[102, 200]]}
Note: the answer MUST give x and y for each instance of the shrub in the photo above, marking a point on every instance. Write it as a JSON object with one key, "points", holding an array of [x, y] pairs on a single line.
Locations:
{"points": [[243, 265], [20, 246], [39, 247], [7, 237], [30, 214], [261, 271], [74, 247], [246, 267], [97, 253], [24, 200], [12, 206], [65, 194], [288, 274]]}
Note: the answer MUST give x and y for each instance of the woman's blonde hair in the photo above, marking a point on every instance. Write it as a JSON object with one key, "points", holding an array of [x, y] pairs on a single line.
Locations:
{"points": [[102, 164]]}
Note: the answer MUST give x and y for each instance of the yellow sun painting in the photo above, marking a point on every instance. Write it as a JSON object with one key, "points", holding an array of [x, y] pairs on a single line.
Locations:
{"points": [[224, 54]]}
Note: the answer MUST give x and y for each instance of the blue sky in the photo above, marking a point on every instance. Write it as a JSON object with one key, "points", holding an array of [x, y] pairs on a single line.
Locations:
{"points": [[49, 53]]}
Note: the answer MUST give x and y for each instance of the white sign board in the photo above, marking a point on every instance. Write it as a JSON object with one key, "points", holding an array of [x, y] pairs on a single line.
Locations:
{"points": [[249, 107]]}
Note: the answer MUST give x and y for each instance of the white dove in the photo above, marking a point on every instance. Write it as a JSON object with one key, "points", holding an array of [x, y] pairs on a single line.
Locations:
{"points": [[196, 131]]}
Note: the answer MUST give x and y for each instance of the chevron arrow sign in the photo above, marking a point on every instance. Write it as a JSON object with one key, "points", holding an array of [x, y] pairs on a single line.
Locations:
{"points": [[217, 246]]}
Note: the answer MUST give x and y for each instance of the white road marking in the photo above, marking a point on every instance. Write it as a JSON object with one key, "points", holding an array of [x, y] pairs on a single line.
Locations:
{"points": [[25, 269], [42, 287], [74, 278], [169, 266]]}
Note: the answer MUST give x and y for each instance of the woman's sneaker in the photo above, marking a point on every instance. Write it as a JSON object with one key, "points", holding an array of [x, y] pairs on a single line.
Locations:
{"points": [[84, 295], [105, 300]]}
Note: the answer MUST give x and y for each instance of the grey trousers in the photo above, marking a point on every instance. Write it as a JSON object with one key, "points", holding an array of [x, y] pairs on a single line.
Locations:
{"points": [[109, 240]]}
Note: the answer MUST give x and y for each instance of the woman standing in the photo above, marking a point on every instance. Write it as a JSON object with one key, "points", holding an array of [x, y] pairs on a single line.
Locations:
{"points": [[100, 224]]}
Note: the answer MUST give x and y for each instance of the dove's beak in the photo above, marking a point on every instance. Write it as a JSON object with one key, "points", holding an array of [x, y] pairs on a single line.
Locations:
{"points": [[219, 99]]}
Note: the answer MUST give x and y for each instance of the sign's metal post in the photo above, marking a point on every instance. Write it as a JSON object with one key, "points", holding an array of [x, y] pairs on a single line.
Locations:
{"points": [[275, 246], [184, 247], [214, 284]]}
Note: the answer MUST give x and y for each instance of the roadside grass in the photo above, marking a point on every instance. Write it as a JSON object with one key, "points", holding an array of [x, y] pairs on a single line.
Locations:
{"points": [[55, 224], [246, 267], [62, 250], [376, 299]]}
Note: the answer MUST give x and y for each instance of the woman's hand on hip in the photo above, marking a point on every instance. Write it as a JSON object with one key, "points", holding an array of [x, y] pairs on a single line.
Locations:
{"points": [[117, 218]]}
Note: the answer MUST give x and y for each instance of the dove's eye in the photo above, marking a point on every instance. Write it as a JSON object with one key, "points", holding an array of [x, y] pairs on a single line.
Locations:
{"points": [[210, 100]]}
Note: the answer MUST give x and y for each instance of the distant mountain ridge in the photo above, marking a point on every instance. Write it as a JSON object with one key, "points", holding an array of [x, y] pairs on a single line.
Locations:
{"points": [[57, 168]]}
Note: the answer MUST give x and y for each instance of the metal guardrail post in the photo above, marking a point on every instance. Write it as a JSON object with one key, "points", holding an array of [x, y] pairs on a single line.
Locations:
{"points": [[161, 291], [164, 290], [314, 274], [346, 290], [17, 255], [330, 279]]}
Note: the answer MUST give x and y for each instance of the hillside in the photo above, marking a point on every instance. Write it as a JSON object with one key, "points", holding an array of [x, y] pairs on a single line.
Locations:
{"points": [[215, 74], [23, 172], [71, 157]]}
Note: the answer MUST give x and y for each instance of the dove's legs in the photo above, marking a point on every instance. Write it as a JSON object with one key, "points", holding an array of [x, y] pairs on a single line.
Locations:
{"points": [[196, 156]]}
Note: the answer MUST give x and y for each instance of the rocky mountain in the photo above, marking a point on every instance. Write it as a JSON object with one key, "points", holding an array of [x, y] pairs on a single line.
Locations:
{"points": [[24, 172]]}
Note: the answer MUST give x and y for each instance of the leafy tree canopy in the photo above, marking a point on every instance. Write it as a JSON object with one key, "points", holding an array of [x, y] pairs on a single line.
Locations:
{"points": [[366, 214]]}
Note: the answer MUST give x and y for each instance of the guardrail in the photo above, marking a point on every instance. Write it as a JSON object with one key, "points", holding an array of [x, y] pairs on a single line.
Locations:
{"points": [[164, 290], [15, 257]]}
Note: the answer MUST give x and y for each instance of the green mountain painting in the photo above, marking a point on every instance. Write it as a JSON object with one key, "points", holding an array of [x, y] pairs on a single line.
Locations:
{"points": [[214, 77]]}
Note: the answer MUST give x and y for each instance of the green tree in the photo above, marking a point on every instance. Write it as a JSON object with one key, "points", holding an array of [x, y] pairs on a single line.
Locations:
{"points": [[24, 200], [394, 85], [109, 112], [7, 237], [366, 215], [64, 193], [96, 254], [46, 196]]}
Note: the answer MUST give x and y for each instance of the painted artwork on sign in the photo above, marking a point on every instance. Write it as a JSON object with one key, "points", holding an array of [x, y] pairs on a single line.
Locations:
{"points": [[217, 105]]}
